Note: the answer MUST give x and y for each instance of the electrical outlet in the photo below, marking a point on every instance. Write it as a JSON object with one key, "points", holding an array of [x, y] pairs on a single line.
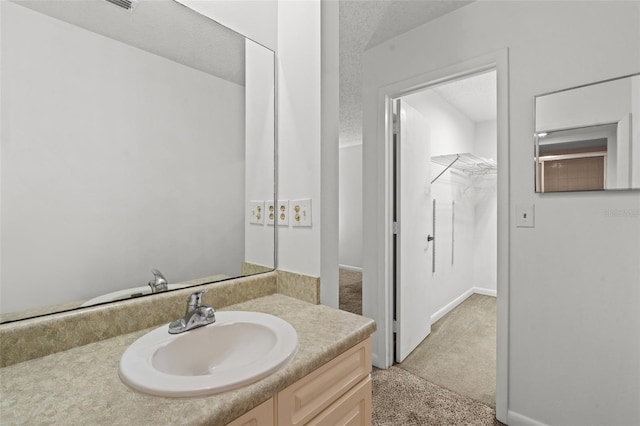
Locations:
{"points": [[282, 213], [256, 212], [525, 216], [270, 212], [301, 212]]}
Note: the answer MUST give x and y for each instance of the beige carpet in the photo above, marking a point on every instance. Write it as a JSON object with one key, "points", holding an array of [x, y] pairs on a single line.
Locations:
{"points": [[403, 399], [460, 352], [449, 379], [350, 296]]}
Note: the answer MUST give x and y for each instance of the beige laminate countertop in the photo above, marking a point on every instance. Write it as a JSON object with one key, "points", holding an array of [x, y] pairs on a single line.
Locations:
{"points": [[81, 385]]}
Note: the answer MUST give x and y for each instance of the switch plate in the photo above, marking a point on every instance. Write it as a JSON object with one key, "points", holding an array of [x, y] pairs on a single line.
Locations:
{"points": [[256, 212], [282, 213], [301, 212], [525, 216], [269, 212]]}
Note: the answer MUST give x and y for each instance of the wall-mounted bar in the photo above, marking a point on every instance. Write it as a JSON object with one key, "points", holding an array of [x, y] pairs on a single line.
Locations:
{"points": [[433, 252], [453, 227]]}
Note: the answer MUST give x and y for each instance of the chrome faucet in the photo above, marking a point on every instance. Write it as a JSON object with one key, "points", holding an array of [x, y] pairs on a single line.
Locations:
{"points": [[159, 282], [197, 315]]}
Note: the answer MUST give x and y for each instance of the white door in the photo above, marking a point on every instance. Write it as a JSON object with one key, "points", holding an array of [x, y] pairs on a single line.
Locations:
{"points": [[414, 216]]}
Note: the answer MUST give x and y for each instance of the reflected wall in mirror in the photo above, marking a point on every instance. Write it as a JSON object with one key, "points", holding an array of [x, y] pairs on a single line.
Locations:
{"points": [[132, 140], [588, 138]]}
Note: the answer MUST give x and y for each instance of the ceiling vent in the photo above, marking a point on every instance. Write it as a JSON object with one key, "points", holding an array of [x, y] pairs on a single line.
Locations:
{"points": [[127, 5]]}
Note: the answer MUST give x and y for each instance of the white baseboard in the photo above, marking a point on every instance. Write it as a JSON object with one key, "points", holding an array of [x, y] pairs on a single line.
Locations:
{"points": [[458, 300], [485, 291], [516, 419], [350, 268], [449, 306]]}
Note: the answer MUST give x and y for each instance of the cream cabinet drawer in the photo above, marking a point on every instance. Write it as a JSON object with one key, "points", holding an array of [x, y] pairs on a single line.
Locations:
{"points": [[305, 399], [262, 415], [353, 409]]}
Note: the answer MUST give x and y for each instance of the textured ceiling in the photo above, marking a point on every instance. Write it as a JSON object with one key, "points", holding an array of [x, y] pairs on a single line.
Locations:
{"points": [[365, 24], [162, 27]]}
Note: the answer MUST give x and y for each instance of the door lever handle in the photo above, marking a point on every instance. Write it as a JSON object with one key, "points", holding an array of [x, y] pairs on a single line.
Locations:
{"points": [[429, 239]]}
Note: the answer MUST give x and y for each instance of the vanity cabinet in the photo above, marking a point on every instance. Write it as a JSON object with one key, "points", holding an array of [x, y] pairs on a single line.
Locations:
{"points": [[262, 415], [327, 383], [337, 393], [322, 391], [354, 408]]}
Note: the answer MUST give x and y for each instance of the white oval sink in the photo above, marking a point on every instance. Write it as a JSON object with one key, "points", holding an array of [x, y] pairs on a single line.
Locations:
{"points": [[238, 349]]}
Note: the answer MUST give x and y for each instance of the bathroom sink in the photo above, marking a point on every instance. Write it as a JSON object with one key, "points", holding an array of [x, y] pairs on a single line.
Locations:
{"points": [[238, 349], [127, 293]]}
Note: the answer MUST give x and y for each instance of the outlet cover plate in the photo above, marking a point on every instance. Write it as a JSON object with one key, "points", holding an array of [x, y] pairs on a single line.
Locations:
{"points": [[282, 213], [301, 212], [270, 212]]}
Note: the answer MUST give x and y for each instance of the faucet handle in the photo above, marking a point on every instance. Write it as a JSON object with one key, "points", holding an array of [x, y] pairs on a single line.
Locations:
{"points": [[197, 315], [157, 274], [195, 300], [159, 282]]}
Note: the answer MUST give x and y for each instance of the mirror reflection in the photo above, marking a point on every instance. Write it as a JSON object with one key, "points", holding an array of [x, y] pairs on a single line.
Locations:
{"points": [[588, 138], [135, 142]]}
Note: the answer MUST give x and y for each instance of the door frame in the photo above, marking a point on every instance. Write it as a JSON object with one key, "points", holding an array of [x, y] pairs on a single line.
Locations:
{"points": [[498, 61]]}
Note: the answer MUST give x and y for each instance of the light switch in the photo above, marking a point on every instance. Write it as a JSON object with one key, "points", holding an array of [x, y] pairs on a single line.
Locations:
{"points": [[301, 212], [525, 216], [256, 212]]}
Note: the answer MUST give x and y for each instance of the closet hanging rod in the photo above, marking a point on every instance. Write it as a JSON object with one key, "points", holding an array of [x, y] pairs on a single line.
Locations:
{"points": [[469, 164], [447, 168]]}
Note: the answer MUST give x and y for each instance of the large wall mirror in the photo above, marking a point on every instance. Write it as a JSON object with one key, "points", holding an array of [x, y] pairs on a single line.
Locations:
{"points": [[588, 138], [136, 136]]}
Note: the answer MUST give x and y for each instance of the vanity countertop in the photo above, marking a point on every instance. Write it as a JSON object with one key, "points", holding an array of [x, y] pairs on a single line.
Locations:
{"points": [[81, 385]]}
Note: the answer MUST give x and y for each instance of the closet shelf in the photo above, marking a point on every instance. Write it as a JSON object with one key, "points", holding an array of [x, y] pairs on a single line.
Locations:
{"points": [[470, 164]]}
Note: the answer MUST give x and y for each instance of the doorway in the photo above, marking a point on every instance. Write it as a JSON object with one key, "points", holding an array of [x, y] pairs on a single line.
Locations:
{"points": [[444, 241]]}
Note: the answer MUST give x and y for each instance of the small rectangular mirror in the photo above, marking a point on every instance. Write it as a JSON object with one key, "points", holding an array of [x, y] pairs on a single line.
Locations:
{"points": [[588, 138]]}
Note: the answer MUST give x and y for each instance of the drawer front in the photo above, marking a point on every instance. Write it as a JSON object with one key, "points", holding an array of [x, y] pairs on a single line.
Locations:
{"points": [[305, 399], [353, 409], [262, 415]]}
